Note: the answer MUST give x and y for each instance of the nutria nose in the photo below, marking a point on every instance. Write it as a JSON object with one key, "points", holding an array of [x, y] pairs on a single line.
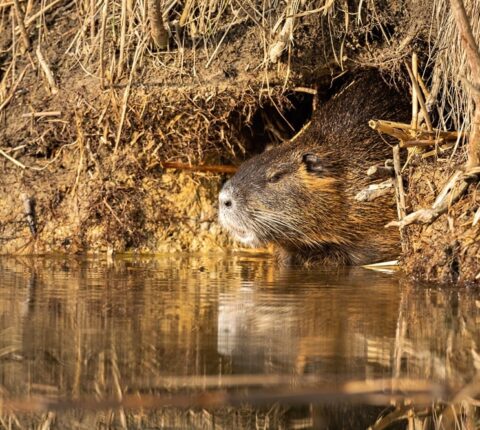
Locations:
{"points": [[225, 198]]}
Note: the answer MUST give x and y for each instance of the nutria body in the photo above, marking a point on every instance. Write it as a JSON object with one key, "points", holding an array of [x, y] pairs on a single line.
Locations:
{"points": [[300, 195]]}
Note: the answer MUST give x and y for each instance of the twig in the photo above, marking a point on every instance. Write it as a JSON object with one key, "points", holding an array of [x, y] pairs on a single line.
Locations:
{"points": [[116, 217], [46, 70], [414, 92], [16, 162], [21, 24], [185, 12], [450, 194], [374, 191], [403, 131], [123, 32], [41, 114], [212, 168], [420, 98], [401, 206], [399, 192], [306, 90], [102, 41]]}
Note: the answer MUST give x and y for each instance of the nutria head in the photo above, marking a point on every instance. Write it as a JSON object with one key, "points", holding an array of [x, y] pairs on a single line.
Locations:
{"points": [[290, 195]]}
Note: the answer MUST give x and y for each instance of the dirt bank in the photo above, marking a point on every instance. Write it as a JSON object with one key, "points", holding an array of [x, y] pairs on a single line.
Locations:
{"points": [[91, 110]]}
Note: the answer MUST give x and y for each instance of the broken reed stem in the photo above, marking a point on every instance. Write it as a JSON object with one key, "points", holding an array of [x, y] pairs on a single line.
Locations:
{"points": [[414, 92], [399, 193], [420, 99], [46, 70], [399, 183], [186, 12], [211, 168], [21, 24], [473, 58], [13, 160], [452, 192], [102, 41], [405, 132], [123, 33], [42, 114], [375, 191]]}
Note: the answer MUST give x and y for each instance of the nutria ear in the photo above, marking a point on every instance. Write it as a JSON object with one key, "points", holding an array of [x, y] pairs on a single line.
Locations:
{"points": [[313, 162]]}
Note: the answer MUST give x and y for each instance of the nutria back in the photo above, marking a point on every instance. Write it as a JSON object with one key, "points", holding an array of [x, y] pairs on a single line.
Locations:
{"points": [[300, 195]]}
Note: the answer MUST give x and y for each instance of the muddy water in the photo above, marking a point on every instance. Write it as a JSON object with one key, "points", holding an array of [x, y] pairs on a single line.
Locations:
{"points": [[232, 341]]}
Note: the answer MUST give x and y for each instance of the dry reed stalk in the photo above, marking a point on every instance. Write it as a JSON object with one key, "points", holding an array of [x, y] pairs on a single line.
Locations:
{"points": [[123, 32], [186, 12], [13, 160], [405, 132], [21, 24], [421, 101], [473, 56], [453, 190], [42, 114], [102, 42], [414, 92], [46, 70], [399, 194], [286, 34]]}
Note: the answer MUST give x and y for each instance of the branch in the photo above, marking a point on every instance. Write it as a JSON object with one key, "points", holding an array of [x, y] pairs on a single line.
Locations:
{"points": [[212, 168], [453, 190], [374, 191]]}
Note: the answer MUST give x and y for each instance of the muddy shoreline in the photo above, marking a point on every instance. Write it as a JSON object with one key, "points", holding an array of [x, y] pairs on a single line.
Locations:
{"points": [[90, 109]]}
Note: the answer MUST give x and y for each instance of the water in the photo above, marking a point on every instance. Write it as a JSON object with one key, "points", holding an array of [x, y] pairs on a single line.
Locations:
{"points": [[233, 342]]}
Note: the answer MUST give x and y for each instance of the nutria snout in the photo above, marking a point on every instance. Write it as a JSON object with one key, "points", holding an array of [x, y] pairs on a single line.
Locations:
{"points": [[300, 195]]}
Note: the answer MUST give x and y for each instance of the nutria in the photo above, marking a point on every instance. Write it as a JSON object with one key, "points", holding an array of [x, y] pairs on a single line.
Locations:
{"points": [[300, 195]]}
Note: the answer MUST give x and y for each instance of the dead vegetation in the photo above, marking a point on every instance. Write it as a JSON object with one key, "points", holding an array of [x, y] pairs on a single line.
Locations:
{"points": [[98, 97]]}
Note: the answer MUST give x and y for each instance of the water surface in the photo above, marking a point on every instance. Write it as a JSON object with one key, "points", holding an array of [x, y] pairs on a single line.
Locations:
{"points": [[79, 335]]}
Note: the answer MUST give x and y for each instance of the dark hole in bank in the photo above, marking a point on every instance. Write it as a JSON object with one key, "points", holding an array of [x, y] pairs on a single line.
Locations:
{"points": [[272, 124]]}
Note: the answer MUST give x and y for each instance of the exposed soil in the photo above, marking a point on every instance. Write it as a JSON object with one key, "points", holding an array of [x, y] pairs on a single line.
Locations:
{"points": [[94, 166]]}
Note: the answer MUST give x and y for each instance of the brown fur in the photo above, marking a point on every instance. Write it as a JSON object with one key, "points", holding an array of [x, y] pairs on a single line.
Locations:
{"points": [[300, 195]]}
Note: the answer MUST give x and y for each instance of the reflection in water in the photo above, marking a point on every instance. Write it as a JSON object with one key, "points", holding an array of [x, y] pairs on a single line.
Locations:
{"points": [[93, 330]]}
